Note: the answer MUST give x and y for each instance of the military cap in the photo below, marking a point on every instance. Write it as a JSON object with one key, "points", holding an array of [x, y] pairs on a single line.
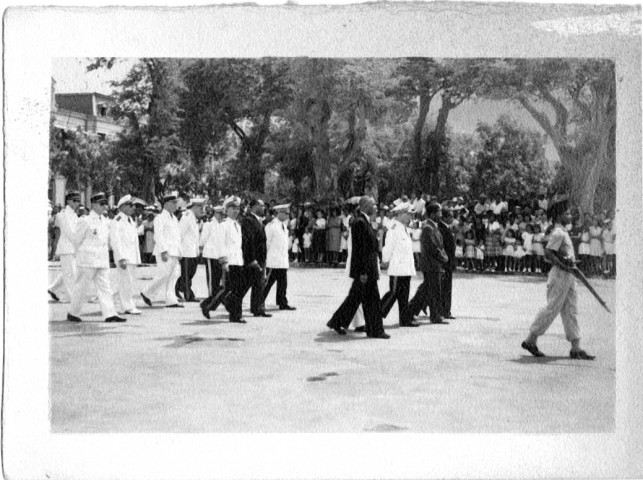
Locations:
{"points": [[231, 201], [195, 201], [124, 200], [219, 209], [282, 207], [403, 208], [170, 197], [98, 198], [72, 196]]}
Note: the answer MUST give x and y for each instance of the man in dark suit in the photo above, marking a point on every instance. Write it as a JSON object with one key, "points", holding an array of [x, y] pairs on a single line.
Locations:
{"points": [[432, 261], [448, 239], [364, 270], [254, 255]]}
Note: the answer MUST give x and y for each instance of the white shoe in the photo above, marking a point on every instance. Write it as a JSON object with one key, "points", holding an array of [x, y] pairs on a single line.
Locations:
{"points": [[133, 311]]}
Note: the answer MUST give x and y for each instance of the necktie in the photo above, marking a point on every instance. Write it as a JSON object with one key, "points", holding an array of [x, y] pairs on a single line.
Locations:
{"points": [[283, 227]]}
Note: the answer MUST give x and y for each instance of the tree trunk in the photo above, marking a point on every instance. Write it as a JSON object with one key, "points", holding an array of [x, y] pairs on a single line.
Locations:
{"points": [[417, 154], [435, 151]]}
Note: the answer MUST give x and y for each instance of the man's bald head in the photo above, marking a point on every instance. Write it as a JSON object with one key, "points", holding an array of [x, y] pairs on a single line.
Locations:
{"points": [[367, 205]]}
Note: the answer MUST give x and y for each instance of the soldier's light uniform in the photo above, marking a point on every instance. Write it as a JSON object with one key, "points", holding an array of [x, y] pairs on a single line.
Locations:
{"points": [[123, 237], [561, 291], [189, 230], [93, 263], [212, 242], [167, 239], [67, 222], [398, 253]]}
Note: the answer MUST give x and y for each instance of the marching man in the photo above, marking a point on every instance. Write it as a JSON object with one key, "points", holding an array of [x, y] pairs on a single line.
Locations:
{"points": [[167, 250], [93, 262], [67, 222], [189, 228], [277, 261], [212, 240], [236, 284], [123, 236], [398, 254]]}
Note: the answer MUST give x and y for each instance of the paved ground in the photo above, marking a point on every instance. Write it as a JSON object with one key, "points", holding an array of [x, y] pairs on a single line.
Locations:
{"points": [[170, 370]]}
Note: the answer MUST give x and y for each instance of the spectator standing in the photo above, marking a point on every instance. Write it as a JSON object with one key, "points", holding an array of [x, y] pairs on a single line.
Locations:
{"points": [[334, 236], [319, 236]]}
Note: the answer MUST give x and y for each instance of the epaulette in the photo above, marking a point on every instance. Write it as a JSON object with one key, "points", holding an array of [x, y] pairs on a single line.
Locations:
{"points": [[118, 219], [393, 227]]}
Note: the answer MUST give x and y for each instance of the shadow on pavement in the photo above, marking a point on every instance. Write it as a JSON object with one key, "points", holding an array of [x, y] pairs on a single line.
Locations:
{"points": [[332, 337], [203, 323], [82, 329], [490, 319], [528, 360]]}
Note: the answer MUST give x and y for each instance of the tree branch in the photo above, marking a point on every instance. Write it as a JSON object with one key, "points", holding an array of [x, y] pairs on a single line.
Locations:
{"points": [[542, 120]]}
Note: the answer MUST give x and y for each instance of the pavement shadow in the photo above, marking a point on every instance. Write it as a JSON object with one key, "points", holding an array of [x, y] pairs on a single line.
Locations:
{"points": [[529, 360], [332, 337], [81, 329], [205, 323], [490, 319]]}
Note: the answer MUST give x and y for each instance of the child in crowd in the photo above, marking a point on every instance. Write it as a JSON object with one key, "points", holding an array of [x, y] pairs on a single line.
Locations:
{"points": [[528, 246], [308, 242], [470, 250], [538, 249], [583, 250], [519, 256], [609, 238], [295, 249], [290, 244], [595, 246], [416, 232], [480, 257], [508, 251], [459, 253]]}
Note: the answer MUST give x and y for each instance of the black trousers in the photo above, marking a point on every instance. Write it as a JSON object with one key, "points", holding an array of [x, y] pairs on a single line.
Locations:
{"points": [[279, 275], [399, 288], [447, 286], [184, 282], [213, 275], [428, 293], [256, 280], [368, 295], [236, 286]]}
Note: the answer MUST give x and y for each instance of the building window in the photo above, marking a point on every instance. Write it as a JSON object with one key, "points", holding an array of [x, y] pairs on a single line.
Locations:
{"points": [[102, 110]]}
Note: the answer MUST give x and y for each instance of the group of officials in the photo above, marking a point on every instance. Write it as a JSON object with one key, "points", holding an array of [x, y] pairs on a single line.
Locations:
{"points": [[437, 264], [240, 254]]}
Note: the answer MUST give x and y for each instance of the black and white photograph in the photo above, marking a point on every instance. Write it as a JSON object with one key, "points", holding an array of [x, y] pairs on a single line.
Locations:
{"points": [[421, 241]]}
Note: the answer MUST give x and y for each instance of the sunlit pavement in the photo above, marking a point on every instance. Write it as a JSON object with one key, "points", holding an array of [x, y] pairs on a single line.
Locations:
{"points": [[170, 370]]}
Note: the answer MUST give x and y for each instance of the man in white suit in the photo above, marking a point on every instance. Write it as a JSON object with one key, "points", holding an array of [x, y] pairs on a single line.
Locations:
{"points": [[167, 250], [93, 262], [212, 242], [67, 222], [189, 228], [123, 236], [277, 257]]}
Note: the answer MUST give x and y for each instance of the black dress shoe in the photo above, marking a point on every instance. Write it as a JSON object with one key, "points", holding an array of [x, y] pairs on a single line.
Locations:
{"points": [[205, 311], [439, 322], [383, 336], [192, 300], [339, 330], [73, 318], [263, 314], [175, 305], [449, 317], [147, 301], [361, 329], [410, 324], [533, 349], [240, 320], [115, 319], [287, 307], [53, 296]]}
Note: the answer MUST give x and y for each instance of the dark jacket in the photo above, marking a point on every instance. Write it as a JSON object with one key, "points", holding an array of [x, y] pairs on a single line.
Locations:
{"points": [[364, 249], [253, 240], [448, 239], [433, 256]]}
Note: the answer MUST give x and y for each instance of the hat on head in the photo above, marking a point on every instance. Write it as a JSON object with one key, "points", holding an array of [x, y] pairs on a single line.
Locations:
{"points": [[281, 208], [195, 201], [170, 197], [124, 200], [219, 209], [98, 198], [403, 208], [232, 201], [72, 196]]}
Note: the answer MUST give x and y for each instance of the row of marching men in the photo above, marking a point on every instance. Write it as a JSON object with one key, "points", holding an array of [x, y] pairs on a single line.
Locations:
{"points": [[240, 255]]}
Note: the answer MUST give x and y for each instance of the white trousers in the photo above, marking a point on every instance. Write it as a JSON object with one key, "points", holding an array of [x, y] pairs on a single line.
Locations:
{"points": [[67, 277], [162, 287], [562, 299], [126, 286], [100, 278]]}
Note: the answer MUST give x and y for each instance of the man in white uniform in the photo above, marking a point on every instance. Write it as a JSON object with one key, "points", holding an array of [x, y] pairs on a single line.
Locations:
{"points": [[189, 228], [67, 222], [277, 256], [167, 250], [211, 243], [236, 283], [123, 236], [398, 254], [561, 288], [93, 262]]}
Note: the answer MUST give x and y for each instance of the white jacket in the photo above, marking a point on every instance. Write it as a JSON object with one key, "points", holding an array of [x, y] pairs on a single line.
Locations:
{"points": [[123, 237], [231, 246], [189, 229], [94, 238], [167, 236], [277, 244], [67, 222], [398, 251], [212, 239]]}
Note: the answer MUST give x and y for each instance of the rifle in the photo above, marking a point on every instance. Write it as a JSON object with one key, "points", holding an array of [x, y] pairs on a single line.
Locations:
{"points": [[578, 274]]}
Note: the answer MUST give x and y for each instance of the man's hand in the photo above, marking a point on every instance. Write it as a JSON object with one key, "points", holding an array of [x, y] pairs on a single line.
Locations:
{"points": [[225, 267], [164, 256], [122, 263], [256, 265], [363, 278]]}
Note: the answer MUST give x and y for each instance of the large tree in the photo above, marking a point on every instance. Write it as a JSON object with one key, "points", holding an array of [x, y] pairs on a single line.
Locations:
{"points": [[574, 101]]}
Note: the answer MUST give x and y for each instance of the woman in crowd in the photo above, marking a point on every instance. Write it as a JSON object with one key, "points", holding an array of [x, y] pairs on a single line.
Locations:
{"points": [[319, 237], [334, 228]]}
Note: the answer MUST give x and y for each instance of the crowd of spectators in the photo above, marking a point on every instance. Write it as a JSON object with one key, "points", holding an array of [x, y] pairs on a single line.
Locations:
{"points": [[493, 233]]}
